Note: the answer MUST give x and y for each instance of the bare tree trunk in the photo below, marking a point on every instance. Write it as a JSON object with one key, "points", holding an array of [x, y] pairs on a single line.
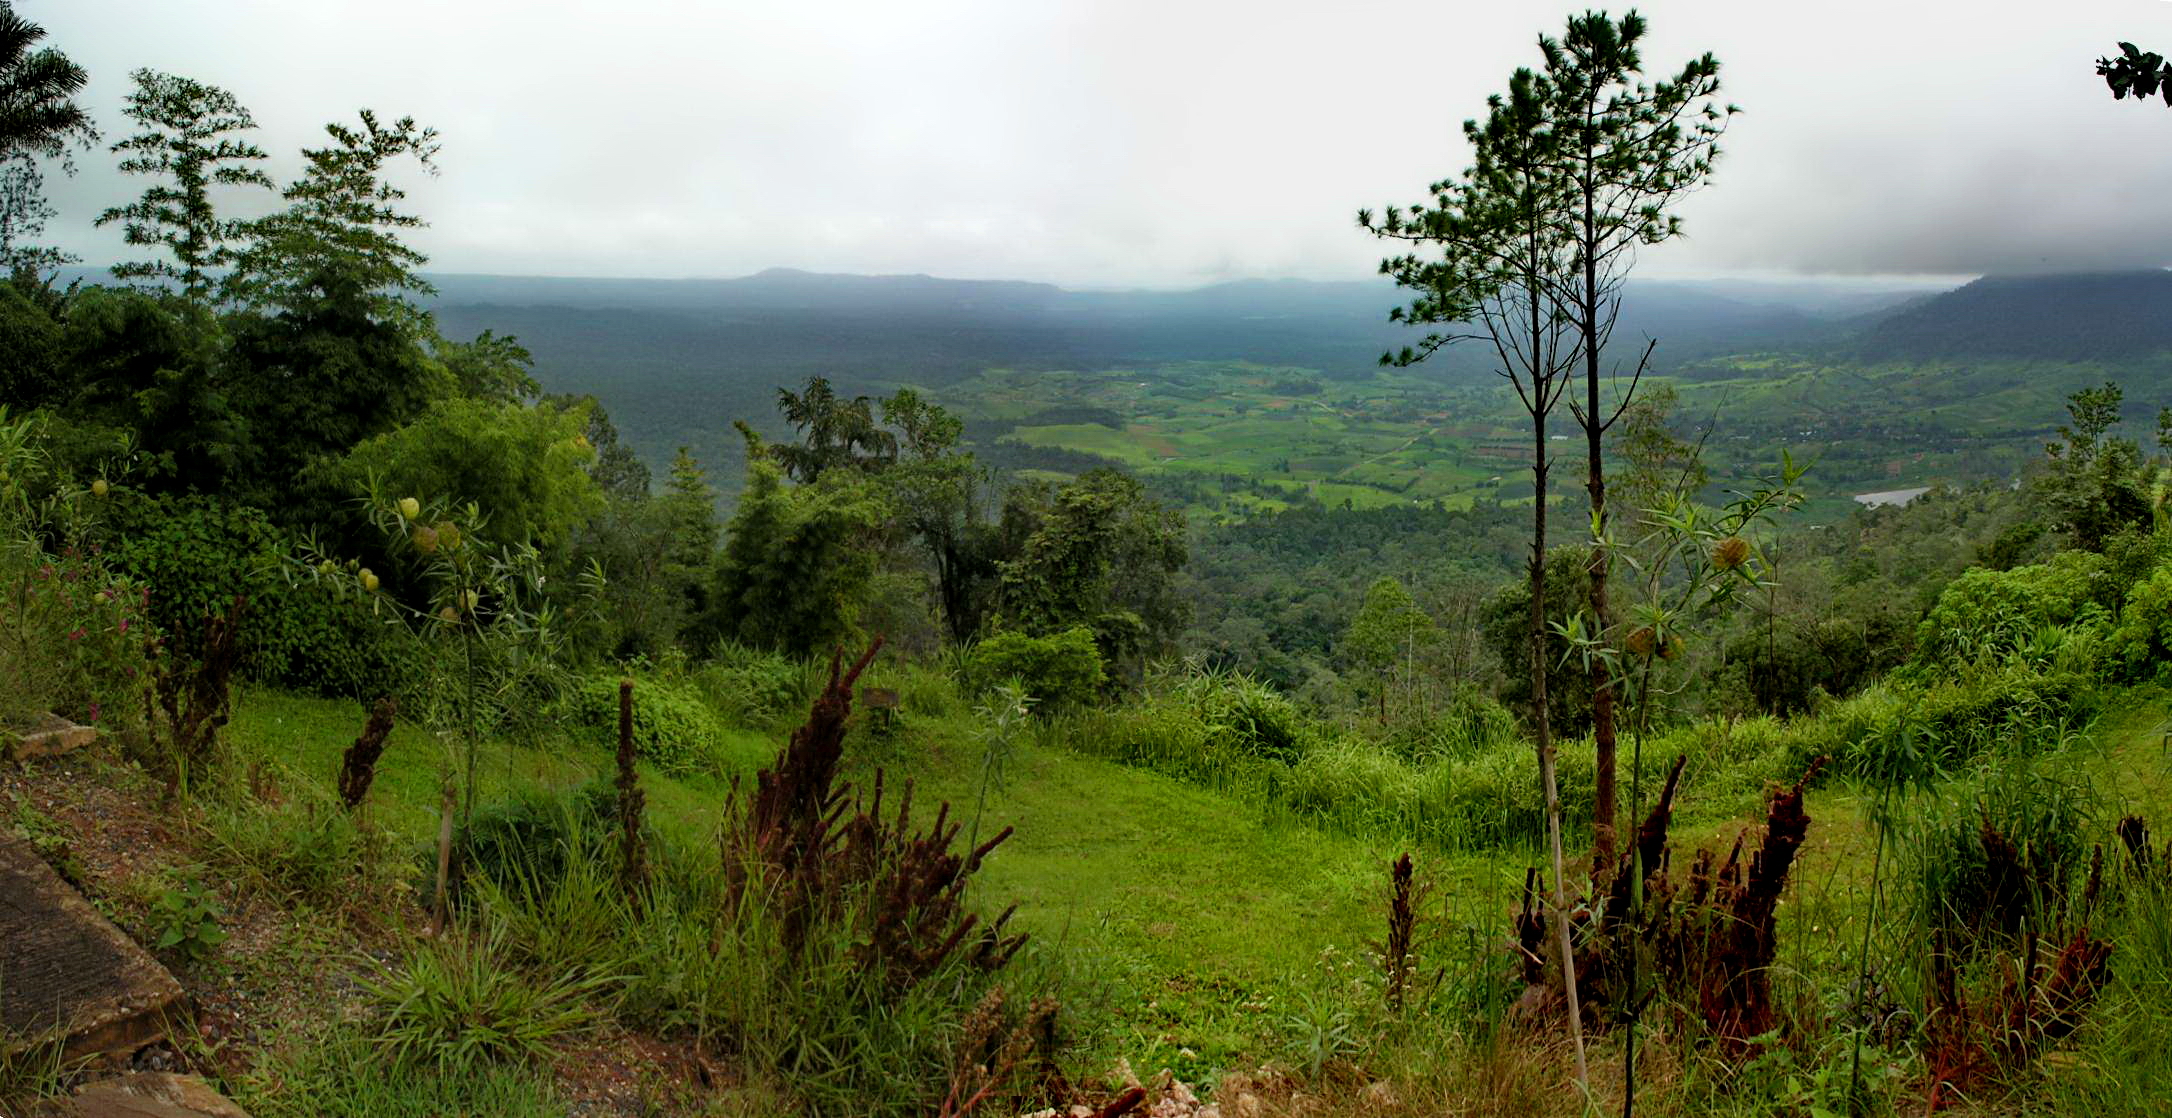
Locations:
{"points": [[438, 910], [1602, 685], [1543, 735]]}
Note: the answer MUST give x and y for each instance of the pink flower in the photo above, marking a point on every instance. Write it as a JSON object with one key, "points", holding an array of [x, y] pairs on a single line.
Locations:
{"points": [[124, 624], [76, 636], [94, 710]]}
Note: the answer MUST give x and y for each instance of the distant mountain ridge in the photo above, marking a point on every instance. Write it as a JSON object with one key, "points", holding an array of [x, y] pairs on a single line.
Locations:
{"points": [[2063, 317]]}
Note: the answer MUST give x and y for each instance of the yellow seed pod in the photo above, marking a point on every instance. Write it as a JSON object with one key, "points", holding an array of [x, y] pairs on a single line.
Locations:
{"points": [[410, 508], [327, 567], [448, 535], [99, 488], [1730, 553], [369, 580], [471, 599], [1640, 641], [1672, 649], [425, 538], [448, 615]]}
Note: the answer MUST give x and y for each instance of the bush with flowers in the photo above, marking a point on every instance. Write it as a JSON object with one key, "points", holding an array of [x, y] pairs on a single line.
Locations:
{"points": [[72, 631]]}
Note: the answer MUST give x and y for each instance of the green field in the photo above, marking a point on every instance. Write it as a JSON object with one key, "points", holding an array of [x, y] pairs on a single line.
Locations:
{"points": [[1241, 439]]}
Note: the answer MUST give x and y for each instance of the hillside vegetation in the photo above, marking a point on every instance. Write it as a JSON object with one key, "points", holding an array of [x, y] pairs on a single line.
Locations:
{"points": [[1183, 716]]}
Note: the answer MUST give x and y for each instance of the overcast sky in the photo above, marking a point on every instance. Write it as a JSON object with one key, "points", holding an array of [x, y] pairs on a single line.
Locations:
{"points": [[1144, 142]]}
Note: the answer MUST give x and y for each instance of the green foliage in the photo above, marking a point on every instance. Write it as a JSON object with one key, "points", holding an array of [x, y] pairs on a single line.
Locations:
{"points": [[2140, 646], [2094, 487], [796, 561], [38, 88], [343, 1074], [2136, 71], [340, 221], [304, 850], [1062, 670], [186, 919], [1996, 851], [148, 363], [457, 1005], [1917, 733], [1386, 632], [202, 552], [1098, 552], [1242, 716], [72, 631], [184, 137], [1469, 723], [529, 835], [672, 728], [837, 433], [750, 687], [1986, 616], [527, 465], [1506, 623], [31, 374]]}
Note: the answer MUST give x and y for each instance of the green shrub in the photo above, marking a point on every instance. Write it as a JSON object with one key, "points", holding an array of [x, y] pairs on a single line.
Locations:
{"points": [[529, 836], [672, 728], [1988, 615], [307, 850], [2140, 647], [1471, 722], [1997, 850], [199, 553], [458, 1005], [1241, 715], [1059, 671], [750, 687], [1913, 732], [187, 919]]}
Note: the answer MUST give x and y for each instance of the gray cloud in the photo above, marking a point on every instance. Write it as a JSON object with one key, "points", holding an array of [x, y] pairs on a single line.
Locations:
{"points": [[1123, 142]]}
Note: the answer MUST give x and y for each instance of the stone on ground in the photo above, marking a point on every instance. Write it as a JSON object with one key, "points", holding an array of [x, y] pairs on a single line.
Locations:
{"points": [[50, 736], [150, 1095]]}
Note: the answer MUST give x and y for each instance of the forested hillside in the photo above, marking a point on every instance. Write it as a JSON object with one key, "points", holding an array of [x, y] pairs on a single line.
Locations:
{"points": [[1511, 686]]}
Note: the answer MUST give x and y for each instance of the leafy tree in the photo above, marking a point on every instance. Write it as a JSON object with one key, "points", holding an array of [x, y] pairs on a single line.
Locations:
{"points": [[1386, 631], [796, 560], [1502, 259], [324, 373], [688, 513], [1628, 149], [23, 214], [2094, 487], [1099, 552], [341, 220], [937, 490], [499, 368], [1657, 462], [834, 432], [30, 371], [184, 141], [38, 113], [147, 363], [2141, 73]]}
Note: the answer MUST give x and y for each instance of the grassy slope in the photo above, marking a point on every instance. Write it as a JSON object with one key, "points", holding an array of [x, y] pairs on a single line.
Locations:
{"points": [[1184, 912], [1189, 927]]}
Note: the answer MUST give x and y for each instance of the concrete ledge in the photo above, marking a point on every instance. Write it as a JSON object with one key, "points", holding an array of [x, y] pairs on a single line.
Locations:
{"points": [[67, 975]]}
